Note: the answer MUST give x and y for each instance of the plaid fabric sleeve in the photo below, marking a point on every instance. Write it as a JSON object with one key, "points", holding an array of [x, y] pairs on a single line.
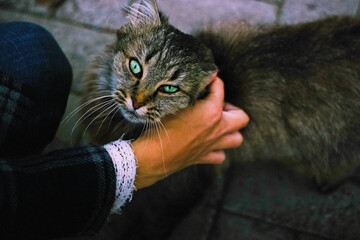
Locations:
{"points": [[63, 193], [28, 114]]}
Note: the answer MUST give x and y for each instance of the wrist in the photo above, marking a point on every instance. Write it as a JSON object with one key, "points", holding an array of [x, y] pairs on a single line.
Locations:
{"points": [[147, 154], [125, 165]]}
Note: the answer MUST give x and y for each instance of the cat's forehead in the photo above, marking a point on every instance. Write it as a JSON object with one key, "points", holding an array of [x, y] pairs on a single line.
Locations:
{"points": [[166, 43], [164, 54]]}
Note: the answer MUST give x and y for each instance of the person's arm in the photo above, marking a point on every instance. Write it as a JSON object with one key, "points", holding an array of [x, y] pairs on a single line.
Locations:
{"points": [[196, 135], [71, 192]]}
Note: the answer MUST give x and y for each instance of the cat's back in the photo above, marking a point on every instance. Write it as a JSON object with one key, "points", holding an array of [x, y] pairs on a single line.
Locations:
{"points": [[300, 64], [300, 85], [291, 49]]}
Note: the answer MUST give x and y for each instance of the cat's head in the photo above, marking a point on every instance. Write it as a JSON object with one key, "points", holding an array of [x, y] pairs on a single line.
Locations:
{"points": [[157, 70]]}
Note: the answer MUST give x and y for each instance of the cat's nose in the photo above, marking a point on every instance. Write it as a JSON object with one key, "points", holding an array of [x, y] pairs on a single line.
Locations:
{"points": [[136, 104]]}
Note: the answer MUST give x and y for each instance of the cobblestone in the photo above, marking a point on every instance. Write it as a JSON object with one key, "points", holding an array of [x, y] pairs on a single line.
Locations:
{"points": [[104, 13], [187, 14], [306, 10]]}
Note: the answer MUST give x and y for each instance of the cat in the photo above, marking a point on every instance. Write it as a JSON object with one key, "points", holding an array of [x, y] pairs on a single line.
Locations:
{"points": [[299, 85]]}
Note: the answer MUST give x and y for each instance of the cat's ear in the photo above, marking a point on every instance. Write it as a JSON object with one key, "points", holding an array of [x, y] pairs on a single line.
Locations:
{"points": [[208, 80], [145, 12]]}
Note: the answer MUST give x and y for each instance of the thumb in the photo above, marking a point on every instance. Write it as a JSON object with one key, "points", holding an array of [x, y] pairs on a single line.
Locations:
{"points": [[216, 92]]}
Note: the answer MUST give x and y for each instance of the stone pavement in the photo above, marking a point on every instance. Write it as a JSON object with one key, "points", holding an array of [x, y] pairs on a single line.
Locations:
{"points": [[83, 27]]}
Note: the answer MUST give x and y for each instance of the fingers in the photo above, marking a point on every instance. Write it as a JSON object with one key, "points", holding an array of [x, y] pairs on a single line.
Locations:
{"points": [[209, 108], [214, 157], [233, 120], [216, 92], [229, 107], [231, 140]]}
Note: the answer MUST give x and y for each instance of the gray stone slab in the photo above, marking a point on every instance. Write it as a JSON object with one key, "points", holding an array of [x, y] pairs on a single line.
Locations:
{"points": [[276, 2], [233, 227], [100, 14], [295, 11], [198, 224], [25, 6], [104, 13], [78, 44], [272, 193], [188, 15], [184, 14]]}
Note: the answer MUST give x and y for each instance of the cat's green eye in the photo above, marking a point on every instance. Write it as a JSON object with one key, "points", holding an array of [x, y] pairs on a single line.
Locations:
{"points": [[168, 89], [135, 68]]}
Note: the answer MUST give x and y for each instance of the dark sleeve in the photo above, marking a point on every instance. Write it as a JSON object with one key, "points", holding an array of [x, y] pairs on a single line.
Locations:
{"points": [[63, 193]]}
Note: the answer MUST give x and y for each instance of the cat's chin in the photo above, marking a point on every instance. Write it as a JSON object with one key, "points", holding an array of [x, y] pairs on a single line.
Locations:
{"points": [[132, 116]]}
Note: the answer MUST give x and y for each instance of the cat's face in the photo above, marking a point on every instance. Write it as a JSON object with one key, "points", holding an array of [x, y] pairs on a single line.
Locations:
{"points": [[157, 70]]}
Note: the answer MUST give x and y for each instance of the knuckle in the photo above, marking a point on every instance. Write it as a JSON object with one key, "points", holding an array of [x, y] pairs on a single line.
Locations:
{"points": [[216, 113]]}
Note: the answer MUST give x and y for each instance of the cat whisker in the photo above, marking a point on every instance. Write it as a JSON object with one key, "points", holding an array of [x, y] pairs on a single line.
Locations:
{"points": [[161, 145], [76, 110], [153, 115], [118, 109], [100, 93], [151, 128], [162, 125], [113, 106], [90, 112], [87, 114], [107, 107], [147, 132], [142, 130]]}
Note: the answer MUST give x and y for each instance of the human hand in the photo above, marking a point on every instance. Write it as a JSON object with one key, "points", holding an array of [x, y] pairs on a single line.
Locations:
{"points": [[196, 135]]}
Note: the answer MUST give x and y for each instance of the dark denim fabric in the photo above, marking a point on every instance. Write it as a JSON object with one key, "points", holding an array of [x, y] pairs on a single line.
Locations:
{"points": [[30, 55]]}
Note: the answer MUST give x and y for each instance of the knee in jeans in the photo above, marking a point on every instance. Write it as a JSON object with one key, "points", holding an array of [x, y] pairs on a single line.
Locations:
{"points": [[24, 28], [30, 53]]}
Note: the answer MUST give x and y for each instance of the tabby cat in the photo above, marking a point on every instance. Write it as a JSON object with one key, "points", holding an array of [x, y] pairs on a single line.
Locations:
{"points": [[299, 84]]}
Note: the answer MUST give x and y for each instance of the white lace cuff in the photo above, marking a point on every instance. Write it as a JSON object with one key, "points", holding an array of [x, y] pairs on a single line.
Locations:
{"points": [[123, 158]]}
